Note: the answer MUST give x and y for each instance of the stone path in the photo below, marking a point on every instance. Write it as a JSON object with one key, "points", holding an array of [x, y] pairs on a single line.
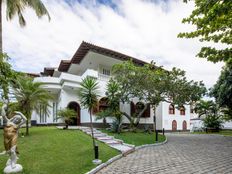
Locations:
{"points": [[109, 140], [184, 153]]}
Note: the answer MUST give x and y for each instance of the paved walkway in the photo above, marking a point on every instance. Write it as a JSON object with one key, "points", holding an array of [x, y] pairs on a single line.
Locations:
{"points": [[182, 154]]}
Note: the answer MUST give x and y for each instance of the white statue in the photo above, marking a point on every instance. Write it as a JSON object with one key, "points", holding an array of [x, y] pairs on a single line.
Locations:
{"points": [[11, 128]]}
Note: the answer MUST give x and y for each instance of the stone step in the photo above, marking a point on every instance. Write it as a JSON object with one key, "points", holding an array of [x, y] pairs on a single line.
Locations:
{"points": [[111, 142], [87, 129], [105, 138], [98, 135], [95, 132], [121, 147]]}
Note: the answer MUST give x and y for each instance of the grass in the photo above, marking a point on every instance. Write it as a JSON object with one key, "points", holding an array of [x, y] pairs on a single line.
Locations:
{"points": [[48, 150], [222, 132], [137, 138]]}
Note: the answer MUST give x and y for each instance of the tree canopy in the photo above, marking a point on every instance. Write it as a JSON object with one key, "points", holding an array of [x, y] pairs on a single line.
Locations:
{"points": [[151, 85], [31, 97], [6, 75], [222, 90], [213, 22]]}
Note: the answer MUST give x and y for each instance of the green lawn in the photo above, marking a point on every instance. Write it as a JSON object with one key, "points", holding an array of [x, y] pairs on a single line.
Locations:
{"points": [[51, 151], [222, 132], [136, 138]]}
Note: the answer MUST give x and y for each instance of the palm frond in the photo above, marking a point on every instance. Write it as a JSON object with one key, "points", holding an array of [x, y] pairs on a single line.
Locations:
{"points": [[88, 93], [17, 7], [31, 96], [39, 8]]}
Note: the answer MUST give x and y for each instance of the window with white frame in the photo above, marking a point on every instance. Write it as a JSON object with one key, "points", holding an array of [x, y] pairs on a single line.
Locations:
{"points": [[54, 108], [42, 114], [106, 71]]}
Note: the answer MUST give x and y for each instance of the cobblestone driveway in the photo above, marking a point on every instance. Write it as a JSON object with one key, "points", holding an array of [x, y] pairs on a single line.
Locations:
{"points": [[182, 154]]}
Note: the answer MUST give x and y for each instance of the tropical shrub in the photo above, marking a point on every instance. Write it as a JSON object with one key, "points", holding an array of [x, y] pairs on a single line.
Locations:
{"points": [[67, 115], [212, 122]]}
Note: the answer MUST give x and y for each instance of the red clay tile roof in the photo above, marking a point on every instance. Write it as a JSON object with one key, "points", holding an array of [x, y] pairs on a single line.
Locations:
{"points": [[85, 47], [64, 65], [33, 75]]}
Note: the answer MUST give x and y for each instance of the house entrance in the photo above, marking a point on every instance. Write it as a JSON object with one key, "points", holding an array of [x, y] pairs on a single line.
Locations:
{"points": [[76, 107]]}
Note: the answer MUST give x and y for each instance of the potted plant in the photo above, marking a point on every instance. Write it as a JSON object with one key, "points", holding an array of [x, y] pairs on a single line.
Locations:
{"points": [[67, 115]]}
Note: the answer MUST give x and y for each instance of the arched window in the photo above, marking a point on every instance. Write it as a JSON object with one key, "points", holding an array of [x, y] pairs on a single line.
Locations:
{"points": [[147, 112], [132, 108], [184, 125], [103, 104], [182, 110], [96, 108], [171, 109], [138, 107], [174, 125]]}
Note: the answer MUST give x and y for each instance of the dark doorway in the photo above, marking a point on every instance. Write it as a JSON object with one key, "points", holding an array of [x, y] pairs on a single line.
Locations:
{"points": [[76, 107], [184, 125], [174, 125]]}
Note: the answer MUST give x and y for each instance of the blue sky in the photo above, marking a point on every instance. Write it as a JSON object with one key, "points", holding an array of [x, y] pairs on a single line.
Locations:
{"points": [[146, 29]]}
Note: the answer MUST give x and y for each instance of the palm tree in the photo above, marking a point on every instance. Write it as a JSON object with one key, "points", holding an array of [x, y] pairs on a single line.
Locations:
{"points": [[204, 108], [113, 109], [67, 115], [16, 7], [88, 94], [31, 96]]}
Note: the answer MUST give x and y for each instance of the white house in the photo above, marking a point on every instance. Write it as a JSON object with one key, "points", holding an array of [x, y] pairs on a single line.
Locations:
{"points": [[90, 60]]}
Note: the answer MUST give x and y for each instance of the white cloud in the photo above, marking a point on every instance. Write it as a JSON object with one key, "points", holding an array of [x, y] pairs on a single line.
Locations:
{"points": [[138, 28]]}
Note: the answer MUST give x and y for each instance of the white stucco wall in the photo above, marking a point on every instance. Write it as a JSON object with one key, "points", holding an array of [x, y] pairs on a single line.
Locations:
{"points": [[66, 86], [227, 125], [168, 118], [159, 120]]}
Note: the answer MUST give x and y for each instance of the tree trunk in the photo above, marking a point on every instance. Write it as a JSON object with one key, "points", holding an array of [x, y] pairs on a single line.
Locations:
{"points": [[1, 51], [27, 127], [135, 123], [91, 127], [140, 115]]}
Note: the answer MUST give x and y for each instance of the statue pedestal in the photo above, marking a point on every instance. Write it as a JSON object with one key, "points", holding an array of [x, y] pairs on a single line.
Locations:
{"points": [[9, 169]]}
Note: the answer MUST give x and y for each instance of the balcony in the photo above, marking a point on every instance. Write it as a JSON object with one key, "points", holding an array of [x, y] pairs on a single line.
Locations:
{"points": [[69, 80], [90, 73], [49, 80], [103, 77]]}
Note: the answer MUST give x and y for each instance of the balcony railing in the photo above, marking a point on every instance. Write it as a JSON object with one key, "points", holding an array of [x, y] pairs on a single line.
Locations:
{"points": [[103, 77]]}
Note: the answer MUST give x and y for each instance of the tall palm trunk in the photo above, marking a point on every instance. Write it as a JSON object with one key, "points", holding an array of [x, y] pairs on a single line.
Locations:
{"points": [[91, 127], [1, 51], [27, 122]]}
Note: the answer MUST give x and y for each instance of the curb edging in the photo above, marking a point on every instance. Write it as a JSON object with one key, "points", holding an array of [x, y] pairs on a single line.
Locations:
{"points": [[111, 160], [151, 145], [101, 166]]}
